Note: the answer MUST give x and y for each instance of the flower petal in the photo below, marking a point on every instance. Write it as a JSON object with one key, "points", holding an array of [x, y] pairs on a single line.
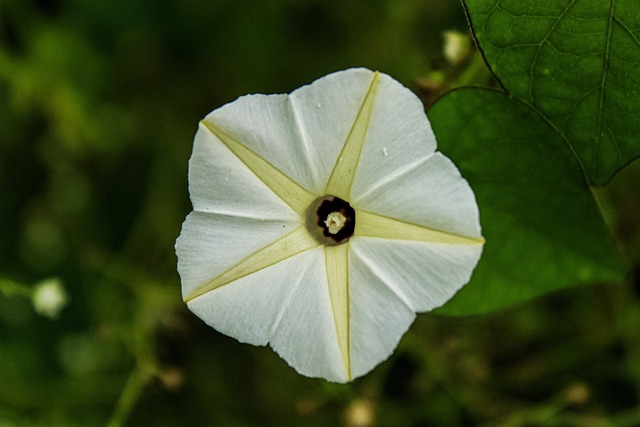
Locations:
{"points": [[306, 336], [373, 225], [327, 110], [337, 265], [217, 178], [430, 193], [341, 178], [210, 244], [300, 134], [249, 308], [399, 135], [293, 315], [378, 317], [425, 275]]}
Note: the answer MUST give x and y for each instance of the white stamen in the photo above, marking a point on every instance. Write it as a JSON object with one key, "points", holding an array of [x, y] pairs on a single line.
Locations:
{"points": [[334, 222]]}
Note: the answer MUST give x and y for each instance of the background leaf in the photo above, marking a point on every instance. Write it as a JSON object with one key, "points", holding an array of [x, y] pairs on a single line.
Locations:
{"points": [[543, 228], [575, 61]]}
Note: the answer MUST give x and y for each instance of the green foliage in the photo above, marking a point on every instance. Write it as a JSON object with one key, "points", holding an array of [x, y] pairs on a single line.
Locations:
{"points": [[535, 204], [568, 117], [575, 62]]}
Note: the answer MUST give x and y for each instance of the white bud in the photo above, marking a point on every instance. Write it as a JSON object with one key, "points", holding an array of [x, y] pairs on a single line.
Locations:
{"points": [[456, 46], [49, 298]]}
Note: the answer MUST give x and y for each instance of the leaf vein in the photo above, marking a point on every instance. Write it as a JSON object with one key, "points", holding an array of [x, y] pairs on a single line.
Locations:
{"points": [[603, 81], [542, 42]]}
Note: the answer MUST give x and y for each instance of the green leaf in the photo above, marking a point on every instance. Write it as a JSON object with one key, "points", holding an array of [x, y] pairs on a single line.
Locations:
{"points": [[543, 228], [574, 61]]}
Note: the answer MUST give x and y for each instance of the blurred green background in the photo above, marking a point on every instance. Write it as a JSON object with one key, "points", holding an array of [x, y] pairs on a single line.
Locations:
{"points": [[99, 102]]}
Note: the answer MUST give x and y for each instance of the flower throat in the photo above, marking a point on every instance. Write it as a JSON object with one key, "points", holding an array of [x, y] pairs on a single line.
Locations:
{"points": [[331, 220]]}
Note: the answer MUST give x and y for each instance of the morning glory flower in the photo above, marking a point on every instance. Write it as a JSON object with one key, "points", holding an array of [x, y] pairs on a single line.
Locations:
{"points": [[323, 221]]}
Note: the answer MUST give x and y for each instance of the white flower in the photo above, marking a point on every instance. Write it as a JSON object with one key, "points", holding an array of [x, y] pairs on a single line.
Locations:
{"points": [[323, 221], [49, 298]]}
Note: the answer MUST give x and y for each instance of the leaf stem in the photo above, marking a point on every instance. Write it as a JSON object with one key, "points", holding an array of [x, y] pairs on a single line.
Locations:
{"points": [[10, 288]]}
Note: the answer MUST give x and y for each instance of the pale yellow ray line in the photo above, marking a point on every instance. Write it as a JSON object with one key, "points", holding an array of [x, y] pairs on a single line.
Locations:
{"points": [[374, 225], [338, 280], [287, 246], [284, 187], [341, 178]]}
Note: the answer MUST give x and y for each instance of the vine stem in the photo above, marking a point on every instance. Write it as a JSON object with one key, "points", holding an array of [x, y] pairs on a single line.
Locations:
{"points": [[128, 398]]}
